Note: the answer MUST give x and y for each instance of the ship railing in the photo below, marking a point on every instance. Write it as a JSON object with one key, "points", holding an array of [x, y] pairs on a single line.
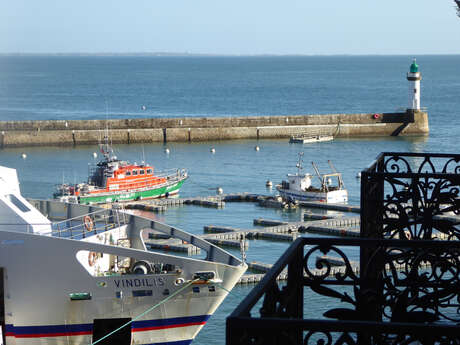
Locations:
{"points": [[418, 281], [89, 224], [136, 225], [76, 227], [172, 173], [27, 227]]}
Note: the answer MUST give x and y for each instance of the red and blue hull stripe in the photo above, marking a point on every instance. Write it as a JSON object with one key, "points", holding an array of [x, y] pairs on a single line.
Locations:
{"points": [[87, 328]]}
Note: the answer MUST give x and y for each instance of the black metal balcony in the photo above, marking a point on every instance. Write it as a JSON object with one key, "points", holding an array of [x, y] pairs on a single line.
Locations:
{"points": [[401, 292]]}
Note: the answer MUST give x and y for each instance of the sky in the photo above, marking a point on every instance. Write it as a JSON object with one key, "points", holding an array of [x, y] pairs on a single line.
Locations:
{"points": [[237, 27]]}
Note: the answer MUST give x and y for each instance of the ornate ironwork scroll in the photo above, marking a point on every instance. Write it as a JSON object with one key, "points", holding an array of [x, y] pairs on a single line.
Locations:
{"points": [[417, 194], [406, 287]]}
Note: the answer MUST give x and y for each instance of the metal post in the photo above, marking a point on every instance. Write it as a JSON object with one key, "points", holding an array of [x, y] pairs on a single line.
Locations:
{"points": [[371, 285], [2, 306], [295, 290]]}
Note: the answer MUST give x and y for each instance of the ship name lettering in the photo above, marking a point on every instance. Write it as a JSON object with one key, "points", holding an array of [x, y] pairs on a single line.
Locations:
{"points": [[139, 282]]}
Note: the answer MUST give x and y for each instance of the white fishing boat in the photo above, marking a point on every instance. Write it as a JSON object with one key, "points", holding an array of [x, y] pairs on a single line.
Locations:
{"points": [[89, 278], [300, 186], [305, 139]]}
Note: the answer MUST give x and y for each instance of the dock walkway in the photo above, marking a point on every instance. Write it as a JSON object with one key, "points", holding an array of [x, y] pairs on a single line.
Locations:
{"points": [[218, 201]]}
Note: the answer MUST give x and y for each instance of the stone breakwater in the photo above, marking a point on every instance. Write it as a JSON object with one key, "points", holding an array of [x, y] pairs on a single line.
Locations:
{"points": [[193, 129]]}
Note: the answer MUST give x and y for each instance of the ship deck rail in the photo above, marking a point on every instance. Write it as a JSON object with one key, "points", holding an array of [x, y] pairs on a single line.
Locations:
{"points": [[135, 225]]}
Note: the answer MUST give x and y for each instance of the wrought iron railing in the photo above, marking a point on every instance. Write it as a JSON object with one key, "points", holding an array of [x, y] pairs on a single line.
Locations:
{"points": [[408, 195], [402, 292]]}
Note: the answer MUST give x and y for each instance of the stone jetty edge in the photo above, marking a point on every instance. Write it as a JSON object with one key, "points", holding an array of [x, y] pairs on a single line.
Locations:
{"points": [[196, 129]]}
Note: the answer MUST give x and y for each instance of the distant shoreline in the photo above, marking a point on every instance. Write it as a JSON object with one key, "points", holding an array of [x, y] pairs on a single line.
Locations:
{"points": [[172, 54]]}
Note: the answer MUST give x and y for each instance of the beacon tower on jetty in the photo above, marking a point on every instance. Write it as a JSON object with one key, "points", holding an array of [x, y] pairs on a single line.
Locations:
{"points": [[413, 121], [414, 77]]}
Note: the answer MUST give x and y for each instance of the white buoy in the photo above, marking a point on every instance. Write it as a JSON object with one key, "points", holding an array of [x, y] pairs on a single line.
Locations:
{"points": [[269, 183], [167, 151], [219, 190], [94, 154], [358, 175], [257, 148], [144, 107], [24, 156], [213, 150]]}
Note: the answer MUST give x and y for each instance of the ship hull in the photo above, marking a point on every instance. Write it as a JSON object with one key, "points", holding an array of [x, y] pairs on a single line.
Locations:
{"points": [[162, 191], [39, 311], [338, 196]]}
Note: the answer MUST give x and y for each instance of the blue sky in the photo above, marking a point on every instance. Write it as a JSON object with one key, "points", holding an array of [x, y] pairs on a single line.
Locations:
{"points": [[230, 27]]}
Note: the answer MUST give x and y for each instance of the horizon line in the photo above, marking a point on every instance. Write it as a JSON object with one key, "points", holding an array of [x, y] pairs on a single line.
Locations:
{"points": [[184, 54]]}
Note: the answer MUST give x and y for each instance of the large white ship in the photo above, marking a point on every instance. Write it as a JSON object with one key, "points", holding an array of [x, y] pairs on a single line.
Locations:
{"points": [[89, 278]]}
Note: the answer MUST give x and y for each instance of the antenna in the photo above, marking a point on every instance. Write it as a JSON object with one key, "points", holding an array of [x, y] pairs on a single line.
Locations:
{"points": [[143, 154], [299, 163], [105, 147], [242, 248]]}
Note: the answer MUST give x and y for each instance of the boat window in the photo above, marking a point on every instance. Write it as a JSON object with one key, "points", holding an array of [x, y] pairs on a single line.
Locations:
{"points": [[142, 293], [196, 289], [128, 173], [134, 172], [18, 203], [141, 172], [149, 171]]}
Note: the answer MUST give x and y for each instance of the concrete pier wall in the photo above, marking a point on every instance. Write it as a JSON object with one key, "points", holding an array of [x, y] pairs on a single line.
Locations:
{"points": [[80, 132]]}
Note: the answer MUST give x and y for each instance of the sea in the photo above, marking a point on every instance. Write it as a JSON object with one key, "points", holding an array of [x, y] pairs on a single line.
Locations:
{"points": [[41, 87]]}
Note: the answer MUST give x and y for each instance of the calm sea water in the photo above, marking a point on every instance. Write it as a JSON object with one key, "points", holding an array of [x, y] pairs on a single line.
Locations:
{"points": [[116, 87]]}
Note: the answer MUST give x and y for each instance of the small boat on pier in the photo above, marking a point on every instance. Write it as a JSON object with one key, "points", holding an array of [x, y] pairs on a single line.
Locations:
{"points": [[305, 139], [299, 187]]}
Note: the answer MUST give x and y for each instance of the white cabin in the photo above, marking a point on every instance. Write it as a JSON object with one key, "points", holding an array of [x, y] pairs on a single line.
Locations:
{"points": [[16, 213], [299, 182]]}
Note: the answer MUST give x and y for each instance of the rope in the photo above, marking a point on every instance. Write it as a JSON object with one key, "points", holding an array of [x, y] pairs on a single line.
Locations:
{"points": [[222, 287], [145, 312]]}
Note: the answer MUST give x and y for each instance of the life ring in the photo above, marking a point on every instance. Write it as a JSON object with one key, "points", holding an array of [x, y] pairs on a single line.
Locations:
{"points": [[179, 281], [88, 222], [376, 116], [92, 257]]}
